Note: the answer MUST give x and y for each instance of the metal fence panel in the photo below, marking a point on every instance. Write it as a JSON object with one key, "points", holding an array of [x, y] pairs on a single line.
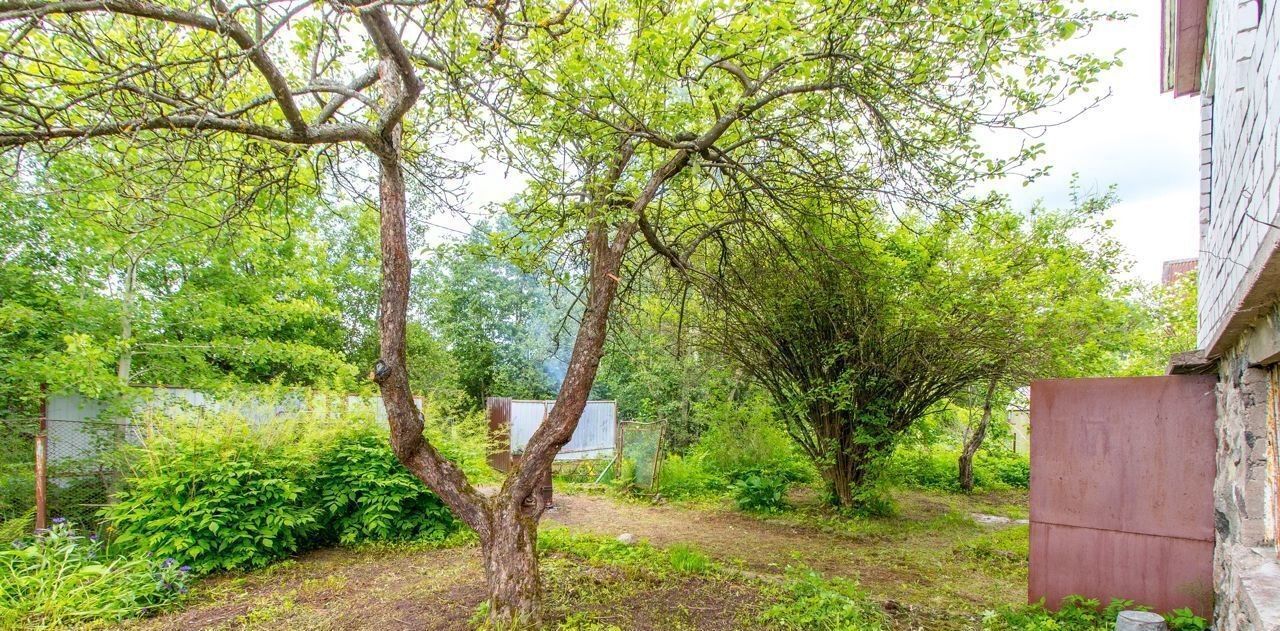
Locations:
{"points": [[595, 436], [1122, 490]]}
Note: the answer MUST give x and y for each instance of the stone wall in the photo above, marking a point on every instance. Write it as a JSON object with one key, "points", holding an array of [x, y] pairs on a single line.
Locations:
{"points": [[1242, 91], [1246, 574]]}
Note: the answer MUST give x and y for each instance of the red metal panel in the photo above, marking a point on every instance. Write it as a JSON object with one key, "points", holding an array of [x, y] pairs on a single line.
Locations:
{"points": [[1122, 489], [1163, 572], [499, 413]]}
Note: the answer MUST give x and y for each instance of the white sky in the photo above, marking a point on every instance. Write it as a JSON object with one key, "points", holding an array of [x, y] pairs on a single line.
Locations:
{"points": [[1142, 141]]}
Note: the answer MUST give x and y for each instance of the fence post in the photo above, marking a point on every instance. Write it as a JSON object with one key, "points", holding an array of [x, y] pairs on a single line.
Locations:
{"points": [[42, 461]]}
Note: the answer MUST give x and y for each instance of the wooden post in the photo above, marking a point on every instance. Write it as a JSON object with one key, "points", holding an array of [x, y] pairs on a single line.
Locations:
{"points": [[42, 464]]}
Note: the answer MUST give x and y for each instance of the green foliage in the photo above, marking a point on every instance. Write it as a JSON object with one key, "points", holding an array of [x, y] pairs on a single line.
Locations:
{"points": [[687, 477], [1185, 620], [1079, 614], [761, 492], [853, 360], [60, 579], [811, 602], [367, 495], [936, 468], [1164, 324], [219, 493], [493, 318], [743, 451]]}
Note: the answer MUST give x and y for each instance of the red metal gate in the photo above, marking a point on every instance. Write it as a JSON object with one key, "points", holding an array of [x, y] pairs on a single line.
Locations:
{"points": [[1122, 490]]}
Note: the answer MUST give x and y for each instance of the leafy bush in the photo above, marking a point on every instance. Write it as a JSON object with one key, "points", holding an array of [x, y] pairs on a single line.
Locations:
{"points": [[60, 578], [744, 450], [812, 602], [746, 437], [1001, 468], [367, 495], [218, 496], [1079, 614], [761, 492], [218, 492], [688, 477]]}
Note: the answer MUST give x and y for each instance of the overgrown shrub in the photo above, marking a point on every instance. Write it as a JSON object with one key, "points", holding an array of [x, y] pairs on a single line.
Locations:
{"points": [[1079, 614], [60, 579], [688, 477], [938, 468], [762, 492], [745, 451], [367, 495], [219, 495], [747, 437], [218, 492]]}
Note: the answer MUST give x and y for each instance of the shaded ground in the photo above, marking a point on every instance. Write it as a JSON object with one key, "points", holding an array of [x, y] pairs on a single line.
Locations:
{"points": [[931, 568]]}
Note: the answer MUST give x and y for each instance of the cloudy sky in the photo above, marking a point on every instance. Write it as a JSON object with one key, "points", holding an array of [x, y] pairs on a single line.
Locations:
{"points": [[1141, 141]]}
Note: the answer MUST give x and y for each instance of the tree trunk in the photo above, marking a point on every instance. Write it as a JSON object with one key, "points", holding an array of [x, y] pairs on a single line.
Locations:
{"points": [[124, 365], [511, 571], [974, 441]]}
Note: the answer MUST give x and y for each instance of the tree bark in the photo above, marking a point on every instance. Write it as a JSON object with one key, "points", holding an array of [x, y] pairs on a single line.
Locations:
{"points": [[124, 365], [510, 557], [974, 441]]}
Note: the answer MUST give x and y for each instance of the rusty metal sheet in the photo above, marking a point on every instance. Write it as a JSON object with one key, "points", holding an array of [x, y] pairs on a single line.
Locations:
{"points": [[1133, 454], [1162, 572], [498, 409], [1122, 490]]}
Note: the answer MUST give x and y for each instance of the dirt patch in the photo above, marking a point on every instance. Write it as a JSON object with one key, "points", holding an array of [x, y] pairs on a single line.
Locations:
{"points": [[910, 563], [913, 565]]}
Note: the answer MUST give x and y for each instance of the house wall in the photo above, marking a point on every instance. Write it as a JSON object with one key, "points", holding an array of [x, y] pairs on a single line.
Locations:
{"points": [[1240, 104], [1241, 101]]}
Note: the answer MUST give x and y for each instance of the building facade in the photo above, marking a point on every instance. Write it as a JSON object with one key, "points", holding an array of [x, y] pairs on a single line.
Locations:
{"points": [[1227, 53]]}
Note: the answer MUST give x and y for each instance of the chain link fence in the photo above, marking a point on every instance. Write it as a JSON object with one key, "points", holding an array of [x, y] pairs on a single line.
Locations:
{"points": [[17, 466]]}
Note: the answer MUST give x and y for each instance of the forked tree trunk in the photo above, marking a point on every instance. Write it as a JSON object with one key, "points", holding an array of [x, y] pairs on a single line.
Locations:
{"points": [[974, 441], [507, 523]]}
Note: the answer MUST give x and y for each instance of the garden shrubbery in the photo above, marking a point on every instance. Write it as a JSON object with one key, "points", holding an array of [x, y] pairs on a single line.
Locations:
{"points": [[218, 492], [1080, 614], [61, 578], [743, 451], [938, 468], [365, 494]]}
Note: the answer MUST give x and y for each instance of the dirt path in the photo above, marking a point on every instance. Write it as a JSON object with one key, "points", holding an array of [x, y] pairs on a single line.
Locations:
{"points": [[760, 545]]}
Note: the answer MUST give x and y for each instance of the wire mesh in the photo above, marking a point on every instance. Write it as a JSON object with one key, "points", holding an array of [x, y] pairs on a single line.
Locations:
{"points": [[82, 474], [17, 467], [641, 452]]}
